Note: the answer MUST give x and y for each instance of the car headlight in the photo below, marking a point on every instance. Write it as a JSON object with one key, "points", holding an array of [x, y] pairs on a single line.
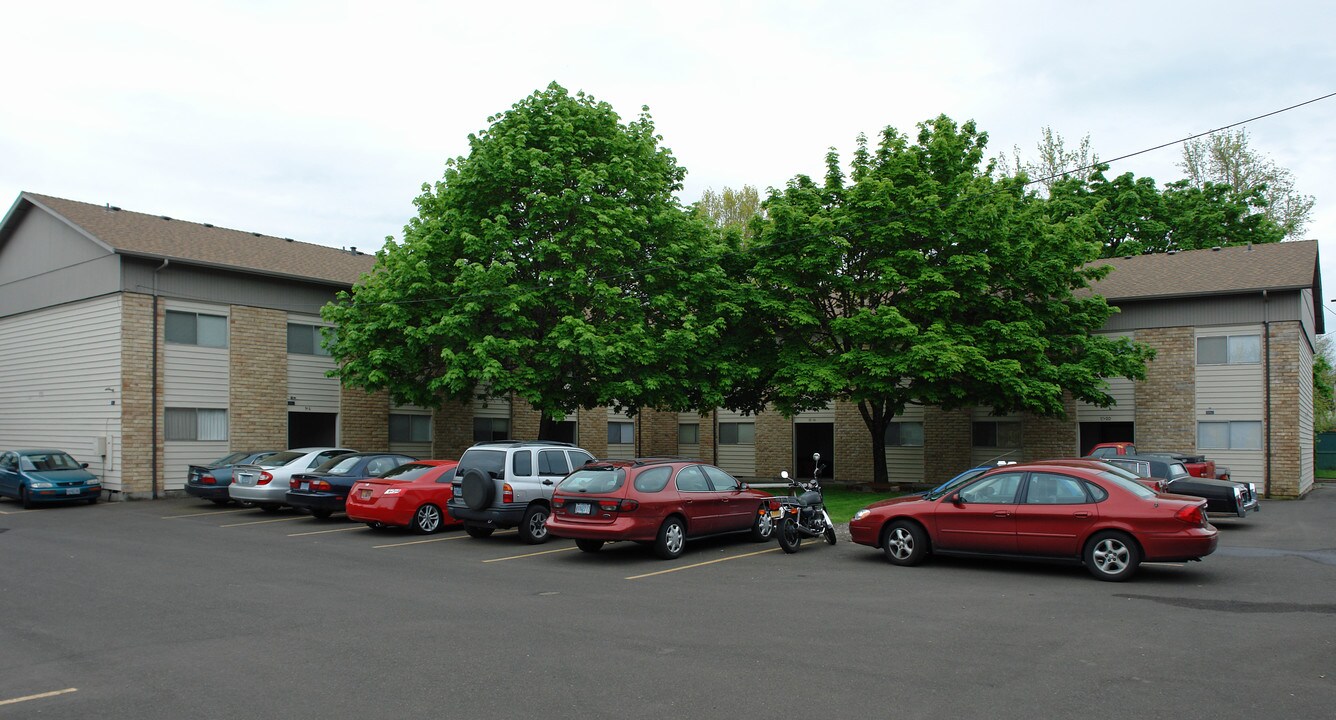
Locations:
{"points": [[40, 485], [862, 514]]}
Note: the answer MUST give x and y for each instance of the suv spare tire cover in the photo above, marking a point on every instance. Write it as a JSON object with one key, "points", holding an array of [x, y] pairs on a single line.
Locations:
{"points": [[477, 488]]}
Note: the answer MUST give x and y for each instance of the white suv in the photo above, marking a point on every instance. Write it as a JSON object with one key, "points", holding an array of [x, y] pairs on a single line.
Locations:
{"points": [[509, 484]]}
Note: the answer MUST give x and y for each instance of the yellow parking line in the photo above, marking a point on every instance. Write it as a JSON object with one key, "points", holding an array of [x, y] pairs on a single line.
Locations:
{"points": [[702, 564], [262, 522], [206, 514], [38, 696], [532, 554], [432, 540], [322, 532]]}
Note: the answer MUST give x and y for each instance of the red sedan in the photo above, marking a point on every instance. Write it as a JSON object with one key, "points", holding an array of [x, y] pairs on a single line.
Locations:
{"points": [[412, 495], [1058, 510], [658, 502]]}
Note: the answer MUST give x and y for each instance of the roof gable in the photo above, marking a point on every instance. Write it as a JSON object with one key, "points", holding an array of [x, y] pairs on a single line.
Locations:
{"points": [[1218, 271]]}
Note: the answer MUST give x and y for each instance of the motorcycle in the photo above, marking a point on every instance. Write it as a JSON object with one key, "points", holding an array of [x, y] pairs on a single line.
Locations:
{"points": [[803, 512]]}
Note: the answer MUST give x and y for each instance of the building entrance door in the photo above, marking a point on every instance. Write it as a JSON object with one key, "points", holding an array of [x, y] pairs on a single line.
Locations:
{"points": [[312, 429], [811, 438]]}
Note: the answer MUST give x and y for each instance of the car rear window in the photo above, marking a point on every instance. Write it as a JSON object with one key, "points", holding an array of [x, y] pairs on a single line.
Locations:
{"points": [[280, 459], [653, 480], [411, 471], [492, 462], [1131, 486], [600, 480]]}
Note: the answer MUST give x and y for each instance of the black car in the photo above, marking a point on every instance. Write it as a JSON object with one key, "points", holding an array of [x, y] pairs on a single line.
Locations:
{"points": [[324, 490], [1223, 497], [210, 482]]}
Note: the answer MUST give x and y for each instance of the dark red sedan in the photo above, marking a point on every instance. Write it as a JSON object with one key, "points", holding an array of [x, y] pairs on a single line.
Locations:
{"points": [[412, 496], [1058, 510], [658, 502]]}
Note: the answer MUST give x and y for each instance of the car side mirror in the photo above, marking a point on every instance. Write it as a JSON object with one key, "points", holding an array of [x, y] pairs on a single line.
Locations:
{"points": [[83, 465], [957, 500], [743, 486]]}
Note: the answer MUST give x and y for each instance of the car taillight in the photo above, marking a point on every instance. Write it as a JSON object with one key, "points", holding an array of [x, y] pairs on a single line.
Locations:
{"points": [[558, 502], [618, 505], [507, 493], [1192, 515], [293, 483], [207, 480], [265, 478], [321, 485]]}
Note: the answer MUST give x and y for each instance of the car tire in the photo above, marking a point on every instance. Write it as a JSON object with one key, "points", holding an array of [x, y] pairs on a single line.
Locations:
{"points": [[270, 508], [322, 514], [479, 531], [904, 543], [589, 546], [533, 528], [426, 520], [1112, 556], [764, 527], [671, 540], [24, 500], [93, 500], [477, 489], [789, 537]]}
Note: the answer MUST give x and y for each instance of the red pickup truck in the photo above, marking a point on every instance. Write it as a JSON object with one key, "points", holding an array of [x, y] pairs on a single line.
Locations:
{"points": [[1197, 465]]}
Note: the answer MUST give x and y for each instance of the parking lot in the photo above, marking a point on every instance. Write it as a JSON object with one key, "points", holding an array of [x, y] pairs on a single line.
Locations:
{"points": [[178, 609]]}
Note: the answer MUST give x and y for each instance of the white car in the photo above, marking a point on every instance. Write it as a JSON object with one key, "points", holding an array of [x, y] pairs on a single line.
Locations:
{"points": [[266, 482]]}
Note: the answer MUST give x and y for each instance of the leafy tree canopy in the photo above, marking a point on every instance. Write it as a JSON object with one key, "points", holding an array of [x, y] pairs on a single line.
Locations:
{"points": [[731, 209], [1226, 158], [922, 279], [553, 262]]}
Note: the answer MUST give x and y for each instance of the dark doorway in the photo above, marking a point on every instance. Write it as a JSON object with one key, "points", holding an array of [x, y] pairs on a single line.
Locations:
{"points": [[312, 429], [1094, 433], [811, 438]]}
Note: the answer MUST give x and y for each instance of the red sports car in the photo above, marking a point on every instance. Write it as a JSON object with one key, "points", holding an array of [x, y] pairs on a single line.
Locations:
{"points": [[1059, 510], [658, 502], [412, 495]]}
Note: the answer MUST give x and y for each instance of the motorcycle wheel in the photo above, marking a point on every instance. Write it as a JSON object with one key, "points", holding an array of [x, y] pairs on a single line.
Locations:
{"points": [[830, 535], [789, 537]]}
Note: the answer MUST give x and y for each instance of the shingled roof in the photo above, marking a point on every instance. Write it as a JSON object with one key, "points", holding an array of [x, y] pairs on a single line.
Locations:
{"points": [[1217, 271], [161, 237]]}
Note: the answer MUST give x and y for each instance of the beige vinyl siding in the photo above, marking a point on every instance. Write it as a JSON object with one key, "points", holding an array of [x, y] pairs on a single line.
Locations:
{"points": [[1123, 392], [1306, 457], [621, 451], [824, 415], [193, 377], [692, 450], [737, 460], [61, 387], [905, 464], [1232, 392]]}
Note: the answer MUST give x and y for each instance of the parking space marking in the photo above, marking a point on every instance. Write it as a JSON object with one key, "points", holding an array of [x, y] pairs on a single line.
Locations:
{"points": [[1166, 564], [703, 564], [322, 532], [206, 514], [38, 696], [434, 540], [532, 554], [262, 522]]}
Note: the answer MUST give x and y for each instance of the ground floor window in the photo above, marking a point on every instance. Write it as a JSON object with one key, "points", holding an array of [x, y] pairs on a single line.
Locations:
{"points": [[737, 433], [621, 433], [1232, 435], [195, 424], [410, 428], [488, 429], [688, 434], [904, 434], [997, 433]]}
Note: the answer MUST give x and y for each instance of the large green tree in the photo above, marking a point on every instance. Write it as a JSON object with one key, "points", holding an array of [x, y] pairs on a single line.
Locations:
{"points": [[923, 279], [553, 262], [730, 209]]}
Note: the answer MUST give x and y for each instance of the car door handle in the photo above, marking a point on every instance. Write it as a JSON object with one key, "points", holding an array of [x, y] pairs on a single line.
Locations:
{"points": [[547, 482], [1001, 513], [1081, 514]]}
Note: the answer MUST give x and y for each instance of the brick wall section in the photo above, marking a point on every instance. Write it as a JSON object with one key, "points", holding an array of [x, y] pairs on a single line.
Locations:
{"points": [[524, 420], [364, 419], [591, 430], [853, 444], [656, 431], [257, 397], [774, 444], [1045, 438], [137, 442], [947, 438], [1284, 358], [1166, 401], [451, 430]]}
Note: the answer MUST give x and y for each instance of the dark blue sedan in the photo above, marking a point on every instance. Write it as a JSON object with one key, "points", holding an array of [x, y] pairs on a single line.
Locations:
{"points": [[324, 490], [42, 476]]}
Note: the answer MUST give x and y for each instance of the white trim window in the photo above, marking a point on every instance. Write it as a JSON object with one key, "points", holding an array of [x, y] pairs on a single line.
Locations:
{"points": [[188, 328], [621, 433], [197, 424], [1230, 435], [306, 339], [1229, 350]]}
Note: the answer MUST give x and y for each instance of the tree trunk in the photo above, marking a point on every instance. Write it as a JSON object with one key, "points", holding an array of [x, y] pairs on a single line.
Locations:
{"points": [[547, 428], [876, 418]]}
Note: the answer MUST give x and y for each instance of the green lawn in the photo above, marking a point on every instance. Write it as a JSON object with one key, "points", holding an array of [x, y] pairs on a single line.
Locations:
{"points": [[842, 503], [1325, 474]]}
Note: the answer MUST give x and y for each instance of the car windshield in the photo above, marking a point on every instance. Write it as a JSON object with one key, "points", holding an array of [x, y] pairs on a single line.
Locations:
{"points": [[411, 471], [1129, 484], [43, 462], [492, 462], [595, 480], [955, 482]]}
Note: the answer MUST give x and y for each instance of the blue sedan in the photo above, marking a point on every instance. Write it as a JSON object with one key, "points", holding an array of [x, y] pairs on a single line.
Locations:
{"points": [[42, 476]]}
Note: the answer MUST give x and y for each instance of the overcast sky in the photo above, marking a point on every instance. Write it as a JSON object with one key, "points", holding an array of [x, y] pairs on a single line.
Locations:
{"points": [[321, 120]]}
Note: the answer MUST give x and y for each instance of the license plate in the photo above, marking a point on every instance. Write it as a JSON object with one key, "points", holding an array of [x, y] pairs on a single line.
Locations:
{"points": [[71, 491], [364, 493], [306, 485], [776, 513], [582, 509]]}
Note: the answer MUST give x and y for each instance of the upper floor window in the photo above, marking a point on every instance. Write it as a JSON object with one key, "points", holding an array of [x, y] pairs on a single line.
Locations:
{"points": [[1229, 350], [904, 434], [410, 428], [307, 339], [188, 328], [737, 433], [997, 433]]}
